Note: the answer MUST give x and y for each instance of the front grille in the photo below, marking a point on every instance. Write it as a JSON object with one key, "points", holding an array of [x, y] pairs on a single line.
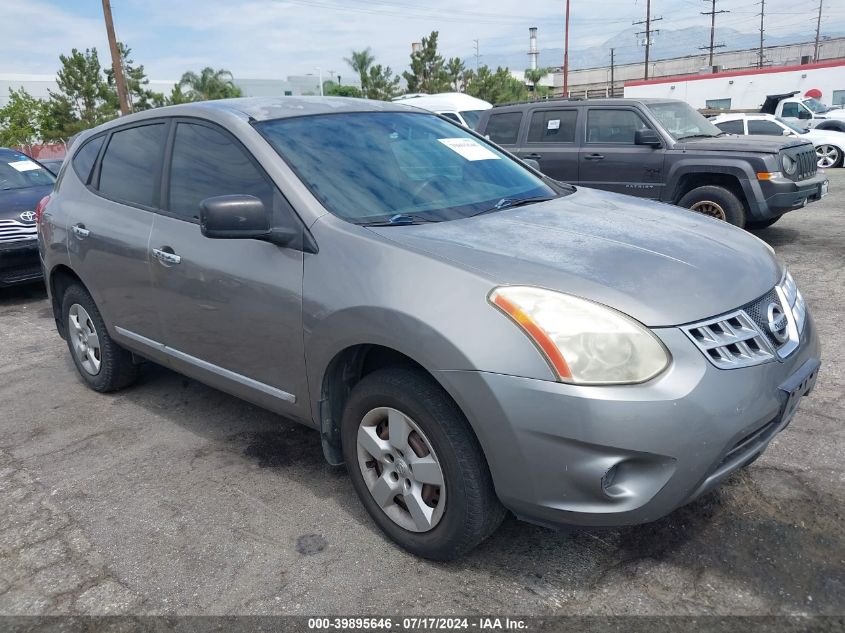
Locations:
{"points": [[758, 311], [807, 162], [730, 341], [15, 231]]}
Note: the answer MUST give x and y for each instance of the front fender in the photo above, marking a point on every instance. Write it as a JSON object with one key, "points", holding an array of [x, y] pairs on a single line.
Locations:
{"points": [[740, 169]]}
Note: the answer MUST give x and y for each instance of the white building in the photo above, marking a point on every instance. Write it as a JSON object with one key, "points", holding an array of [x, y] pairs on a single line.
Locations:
{"points": [[746, 89]]}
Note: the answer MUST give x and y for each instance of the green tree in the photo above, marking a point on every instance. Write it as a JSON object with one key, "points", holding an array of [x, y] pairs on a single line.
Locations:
{"points": [[20, 119], [334, 90], [456, 69], [80, 79], [534, 76], [360, 62], [382, 84], [209, 84], [140, 96], [428, 72], [177, 96], [58, 119], [497, 86]]}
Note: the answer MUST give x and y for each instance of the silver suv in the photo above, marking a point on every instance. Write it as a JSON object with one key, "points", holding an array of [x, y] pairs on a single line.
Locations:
{"points": [[467, 335]]}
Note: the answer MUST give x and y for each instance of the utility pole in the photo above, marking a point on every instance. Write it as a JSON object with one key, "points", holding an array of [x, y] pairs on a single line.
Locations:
{"points": [[818, 32], [477, 54], [648, 31], [566, 55], [712, 13], [116, 62], [760, 59], [611, 71]]}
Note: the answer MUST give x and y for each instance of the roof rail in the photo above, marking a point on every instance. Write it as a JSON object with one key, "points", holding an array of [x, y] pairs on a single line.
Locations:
{"points": [[553, 99]]}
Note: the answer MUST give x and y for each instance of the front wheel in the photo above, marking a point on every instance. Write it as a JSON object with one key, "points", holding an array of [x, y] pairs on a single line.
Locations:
{"points": [[828, 156], [417, 466], [717, 202]]}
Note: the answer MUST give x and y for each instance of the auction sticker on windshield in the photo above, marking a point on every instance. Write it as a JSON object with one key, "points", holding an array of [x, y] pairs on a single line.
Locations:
{"points": [[23, 165], [468, 148]]}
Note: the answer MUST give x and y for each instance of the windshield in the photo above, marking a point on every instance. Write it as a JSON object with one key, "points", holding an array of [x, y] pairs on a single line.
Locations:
{"points": [[815, 105], [472, 117], [372, 166], [17, 171], [794, 128], [682, 121]]}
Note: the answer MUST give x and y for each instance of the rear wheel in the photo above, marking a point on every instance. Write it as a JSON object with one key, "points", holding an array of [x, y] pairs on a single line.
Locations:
{"points": [[756, 225], [717, 202], [829, 156], [102, 363], [417, 466]]}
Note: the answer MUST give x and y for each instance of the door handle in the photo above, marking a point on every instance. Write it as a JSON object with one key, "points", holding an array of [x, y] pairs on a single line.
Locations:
{"points": [[166, 257], [593, 157], [533, 156], [80, 231]]}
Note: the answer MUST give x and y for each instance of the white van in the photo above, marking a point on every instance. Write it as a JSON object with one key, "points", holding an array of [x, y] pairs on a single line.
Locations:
{"points": [[457, 106]]}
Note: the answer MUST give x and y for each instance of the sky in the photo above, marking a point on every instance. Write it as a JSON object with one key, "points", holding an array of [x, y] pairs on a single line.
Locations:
{"points": [[276, 38]]}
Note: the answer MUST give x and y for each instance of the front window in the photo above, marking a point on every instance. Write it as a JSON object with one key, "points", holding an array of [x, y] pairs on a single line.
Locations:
{"points": [[17, 171], [814, 105], [373, 166], [682, 121], [472, 117], [794, 128]]}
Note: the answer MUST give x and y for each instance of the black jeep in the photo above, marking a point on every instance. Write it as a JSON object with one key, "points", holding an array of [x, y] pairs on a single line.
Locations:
{"points": [[664, 150]]}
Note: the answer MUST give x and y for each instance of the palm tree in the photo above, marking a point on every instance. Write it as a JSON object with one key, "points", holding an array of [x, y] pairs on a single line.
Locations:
{"points": [[535, 76], [209, 84], [361, 61]]}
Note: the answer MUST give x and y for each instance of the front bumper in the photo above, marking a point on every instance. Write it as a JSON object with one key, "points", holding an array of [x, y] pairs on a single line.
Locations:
{"points": [[552, 447], [19, 262], [782, 195]]}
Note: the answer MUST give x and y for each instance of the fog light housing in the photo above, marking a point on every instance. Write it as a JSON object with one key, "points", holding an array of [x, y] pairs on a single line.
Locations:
{"points": [[608, 480]]}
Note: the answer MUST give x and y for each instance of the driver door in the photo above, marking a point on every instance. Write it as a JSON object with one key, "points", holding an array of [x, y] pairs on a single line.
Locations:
{"points": [[231, 309]]}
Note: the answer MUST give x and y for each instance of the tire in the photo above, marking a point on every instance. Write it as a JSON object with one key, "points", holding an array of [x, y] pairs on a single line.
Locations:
{"points": [[829, 156], [716, 202], [464, 510], [756, 225], [103, 365]]}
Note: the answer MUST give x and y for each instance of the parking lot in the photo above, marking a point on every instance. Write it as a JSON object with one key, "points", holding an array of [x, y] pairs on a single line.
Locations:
{"points": [[171, 497]]}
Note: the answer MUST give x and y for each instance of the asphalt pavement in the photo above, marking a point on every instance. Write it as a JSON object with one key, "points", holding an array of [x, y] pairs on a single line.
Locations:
{"points": [[171, 497]]}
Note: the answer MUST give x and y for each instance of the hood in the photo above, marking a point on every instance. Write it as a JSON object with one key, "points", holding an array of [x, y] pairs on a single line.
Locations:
{"points": [[750, 143], [13, 202], [661, 264], [838, 113], [832, 137]]}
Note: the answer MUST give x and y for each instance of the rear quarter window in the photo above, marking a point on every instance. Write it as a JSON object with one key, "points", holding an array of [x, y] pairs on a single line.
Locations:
{"points": [[83, 160]]}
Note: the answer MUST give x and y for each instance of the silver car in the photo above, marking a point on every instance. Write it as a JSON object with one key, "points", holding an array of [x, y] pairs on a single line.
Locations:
{"points": [[467, 336]]}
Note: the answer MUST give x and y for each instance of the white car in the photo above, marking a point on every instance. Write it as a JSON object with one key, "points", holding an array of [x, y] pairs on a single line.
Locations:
{"points": [[457, 106], [829, 144]]}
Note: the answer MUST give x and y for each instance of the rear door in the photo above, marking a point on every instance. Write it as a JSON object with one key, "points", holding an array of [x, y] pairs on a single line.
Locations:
{"points": [[551, 141], [109, 225], [231, 308], [610, 160]]}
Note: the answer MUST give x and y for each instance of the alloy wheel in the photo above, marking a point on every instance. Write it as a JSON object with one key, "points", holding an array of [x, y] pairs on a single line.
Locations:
{"points": [[828, 156], [708, 207], [84, 339], [401, 470]]}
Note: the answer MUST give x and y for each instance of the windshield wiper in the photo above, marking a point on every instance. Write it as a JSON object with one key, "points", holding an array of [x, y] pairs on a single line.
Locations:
{"points": [[511, 203], [400, 219], [681, 138]]}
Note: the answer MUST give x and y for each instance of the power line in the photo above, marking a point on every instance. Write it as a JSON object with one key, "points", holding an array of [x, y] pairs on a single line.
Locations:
{"points": [[648, 31], [712, 13]]}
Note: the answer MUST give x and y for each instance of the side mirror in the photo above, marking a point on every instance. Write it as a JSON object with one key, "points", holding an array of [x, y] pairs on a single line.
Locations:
{"points": [[532, 163], [804, 114], [786, 133], [647, 137], [233, 217]]}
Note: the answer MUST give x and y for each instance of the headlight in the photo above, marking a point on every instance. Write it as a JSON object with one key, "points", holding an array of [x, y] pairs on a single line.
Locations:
{"points": [[584, 342], [795, 300], [789, 165]]}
